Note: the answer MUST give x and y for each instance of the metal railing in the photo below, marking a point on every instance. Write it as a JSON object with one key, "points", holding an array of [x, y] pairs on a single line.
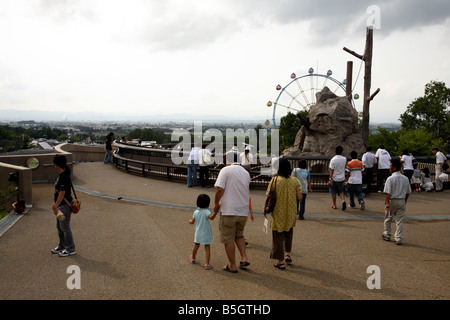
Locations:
{"points": [[157, 163]]}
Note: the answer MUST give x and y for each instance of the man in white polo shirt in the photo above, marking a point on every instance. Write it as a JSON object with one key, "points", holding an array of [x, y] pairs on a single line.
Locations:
{"points": [[397, 190], [383, 159], [232, 200], [369, 161], [440, 160], [337, 177]]}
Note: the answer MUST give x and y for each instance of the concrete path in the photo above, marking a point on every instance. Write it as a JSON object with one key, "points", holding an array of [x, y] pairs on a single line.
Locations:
{"points": [[138, 248]]}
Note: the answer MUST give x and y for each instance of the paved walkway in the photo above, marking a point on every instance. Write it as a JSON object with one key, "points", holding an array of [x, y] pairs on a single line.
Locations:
{"points": [[138, 247]]}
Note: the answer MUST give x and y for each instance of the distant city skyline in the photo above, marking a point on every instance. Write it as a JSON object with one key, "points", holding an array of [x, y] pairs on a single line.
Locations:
{"points": [[217, 58], [68, 117]]}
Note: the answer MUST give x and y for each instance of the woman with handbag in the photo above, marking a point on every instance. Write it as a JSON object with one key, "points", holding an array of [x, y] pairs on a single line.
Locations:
{"points": [[287, 190], [62, 198]]}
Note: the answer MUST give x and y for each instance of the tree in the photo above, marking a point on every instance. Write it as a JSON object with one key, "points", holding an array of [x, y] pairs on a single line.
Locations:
{"points": [[387, 138], [430, 112], [148, 134], [288, 129], [418, 142]]}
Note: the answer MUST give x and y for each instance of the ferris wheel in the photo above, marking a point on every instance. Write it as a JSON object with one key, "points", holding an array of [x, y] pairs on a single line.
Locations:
{"points": [[300, 94]]}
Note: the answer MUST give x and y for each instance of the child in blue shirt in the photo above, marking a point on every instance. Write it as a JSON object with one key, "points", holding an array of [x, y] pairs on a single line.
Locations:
{"points": [[203, 230], [303, 175]]}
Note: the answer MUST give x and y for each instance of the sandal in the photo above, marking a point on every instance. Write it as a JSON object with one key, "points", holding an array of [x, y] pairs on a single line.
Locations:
{"points": [[208, 266], [288, 259], [192, 259], [243, 264], [227, 268], [279, 266]]}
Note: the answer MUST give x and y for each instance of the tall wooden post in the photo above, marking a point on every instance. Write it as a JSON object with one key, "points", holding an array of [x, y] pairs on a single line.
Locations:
{"points": [[367, 58], [367, 83], [348, 80]]}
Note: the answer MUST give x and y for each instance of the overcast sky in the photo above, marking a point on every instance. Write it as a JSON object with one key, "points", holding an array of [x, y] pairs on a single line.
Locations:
{"points": [[221, 57]]}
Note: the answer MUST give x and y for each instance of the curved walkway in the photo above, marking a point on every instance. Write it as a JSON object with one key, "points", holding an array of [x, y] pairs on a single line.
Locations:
{"points": [[138, 248], [309, 215], [105, 181]]}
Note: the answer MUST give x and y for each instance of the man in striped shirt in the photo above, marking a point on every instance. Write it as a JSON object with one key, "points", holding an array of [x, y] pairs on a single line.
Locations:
{"points": [[354, 170]]}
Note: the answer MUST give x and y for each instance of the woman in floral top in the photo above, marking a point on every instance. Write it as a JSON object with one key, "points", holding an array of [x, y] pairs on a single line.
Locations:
{"points": [[288, 191]]}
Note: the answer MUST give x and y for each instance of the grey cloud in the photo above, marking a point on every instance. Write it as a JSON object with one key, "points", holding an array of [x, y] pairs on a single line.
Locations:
{"points": [[62, 11], [411, 14], [189, 31], [331, 19], [171, 27]]}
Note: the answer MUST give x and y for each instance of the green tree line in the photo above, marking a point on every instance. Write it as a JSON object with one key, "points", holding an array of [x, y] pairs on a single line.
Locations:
{"points": [[17, 138]]}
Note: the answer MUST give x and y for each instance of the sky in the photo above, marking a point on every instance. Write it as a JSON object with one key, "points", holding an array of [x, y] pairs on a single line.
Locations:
{"points": [[217, 57]]}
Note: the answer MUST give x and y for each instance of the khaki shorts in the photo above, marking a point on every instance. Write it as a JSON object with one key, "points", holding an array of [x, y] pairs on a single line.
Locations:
{"points": [[231, 227]]}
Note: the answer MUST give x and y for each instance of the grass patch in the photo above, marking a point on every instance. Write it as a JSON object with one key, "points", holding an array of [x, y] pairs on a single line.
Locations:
{"points": [[3, 214]]}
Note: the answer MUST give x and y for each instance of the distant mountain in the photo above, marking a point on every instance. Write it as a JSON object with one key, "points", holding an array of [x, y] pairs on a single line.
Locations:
{"points": [[39, 115]]}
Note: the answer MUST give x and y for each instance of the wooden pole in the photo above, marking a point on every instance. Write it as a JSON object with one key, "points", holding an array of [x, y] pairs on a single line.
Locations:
{"points": [[367, 58], [348, 80], [367, 84]]}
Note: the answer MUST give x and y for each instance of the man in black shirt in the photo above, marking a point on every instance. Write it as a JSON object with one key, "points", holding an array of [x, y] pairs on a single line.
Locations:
{"points": [[63, 185], [108, 147]]}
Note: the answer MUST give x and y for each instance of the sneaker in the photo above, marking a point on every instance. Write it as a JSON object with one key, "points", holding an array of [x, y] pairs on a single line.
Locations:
{"points": [[344, 206], [57, 250], [363, 205], [385, 237], [66, 253], [399, 242]]}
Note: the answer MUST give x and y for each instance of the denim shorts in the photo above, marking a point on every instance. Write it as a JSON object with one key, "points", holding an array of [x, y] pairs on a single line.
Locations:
{"points": [[336, 187]]}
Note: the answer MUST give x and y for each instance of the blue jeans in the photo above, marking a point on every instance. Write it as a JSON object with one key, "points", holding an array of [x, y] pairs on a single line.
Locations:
{"points": [[355, 189], [64, 231], [302, 205], [108, 155], [191, 174]]}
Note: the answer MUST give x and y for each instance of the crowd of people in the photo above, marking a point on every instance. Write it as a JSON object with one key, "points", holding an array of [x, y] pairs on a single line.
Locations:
{"points": [[395, 176], [232, 199]]}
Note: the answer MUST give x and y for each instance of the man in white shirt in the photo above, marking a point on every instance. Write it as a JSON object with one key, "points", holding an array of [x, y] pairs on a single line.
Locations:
{"points": [[337, 177], [397, 190], [204, 160], [440, 160], [192, 167], [383, 159], [369, 161], [232, 200], [246, 158]]}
